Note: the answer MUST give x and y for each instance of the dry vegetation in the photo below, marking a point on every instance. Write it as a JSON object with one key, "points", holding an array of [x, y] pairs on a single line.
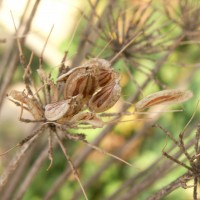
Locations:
{"points": [[148, 46]]}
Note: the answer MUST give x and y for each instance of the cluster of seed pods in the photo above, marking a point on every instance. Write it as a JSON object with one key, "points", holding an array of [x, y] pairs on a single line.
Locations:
{"points": [[93, 86]]}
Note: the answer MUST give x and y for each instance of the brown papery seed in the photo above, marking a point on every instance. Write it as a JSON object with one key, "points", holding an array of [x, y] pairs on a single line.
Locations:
{"points": [[164, 97], [105, 98]]}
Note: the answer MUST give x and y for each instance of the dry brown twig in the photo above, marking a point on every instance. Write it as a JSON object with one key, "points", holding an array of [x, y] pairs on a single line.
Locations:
{"points": [[11, 58], [193, 167]]}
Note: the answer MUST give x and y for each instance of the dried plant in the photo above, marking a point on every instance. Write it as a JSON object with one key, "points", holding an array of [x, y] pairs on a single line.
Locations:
{"points": [[184, 13], [193, 159], [135, 35]]}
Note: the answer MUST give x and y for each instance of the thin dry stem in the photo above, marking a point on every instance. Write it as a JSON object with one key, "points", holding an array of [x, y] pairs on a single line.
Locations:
{"points": [[16, 160], [50, 149], [44, 47], [71, 164]]}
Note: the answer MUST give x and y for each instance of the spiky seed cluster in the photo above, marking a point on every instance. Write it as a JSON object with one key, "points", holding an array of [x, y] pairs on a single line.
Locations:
{"points": [[185, 15], [94, 86]]}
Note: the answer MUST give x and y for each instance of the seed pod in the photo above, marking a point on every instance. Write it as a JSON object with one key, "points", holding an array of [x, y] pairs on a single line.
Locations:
{"points": [[73, 72], [84, 84], [57, 110], [164, 97], [106, 97], [104, 73], [63, 110], [80, 80], [87, 78]]}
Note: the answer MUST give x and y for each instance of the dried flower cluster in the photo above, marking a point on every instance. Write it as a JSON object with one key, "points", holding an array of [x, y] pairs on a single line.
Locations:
{"points": [[93, 86], [147, 40]]}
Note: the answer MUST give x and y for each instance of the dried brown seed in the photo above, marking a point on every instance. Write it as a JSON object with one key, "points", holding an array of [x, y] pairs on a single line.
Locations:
{"points": [[87, 78], [103, 71], [80, 80], [57, 110], [82, 83], [106, 97], [64, 110], [164, 97]]}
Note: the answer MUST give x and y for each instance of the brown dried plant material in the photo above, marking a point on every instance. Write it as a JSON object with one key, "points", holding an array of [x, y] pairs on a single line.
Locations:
{"points": [[57, 110], [103, 70], [88, 118], [63, 110], [86, 78], [105, 98], [33, 106], [82, 82], [82, 90], [164, 97], [94, 85], [96, 81]]}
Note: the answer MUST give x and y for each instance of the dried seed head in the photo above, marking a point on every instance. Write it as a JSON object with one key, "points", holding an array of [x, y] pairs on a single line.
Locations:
{"points": [[164, 97], [95, 75], [106, 97]]}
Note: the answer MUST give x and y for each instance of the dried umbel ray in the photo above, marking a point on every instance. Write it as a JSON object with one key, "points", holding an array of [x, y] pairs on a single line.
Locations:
{"points": [[32, 105], [164, 97]]}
